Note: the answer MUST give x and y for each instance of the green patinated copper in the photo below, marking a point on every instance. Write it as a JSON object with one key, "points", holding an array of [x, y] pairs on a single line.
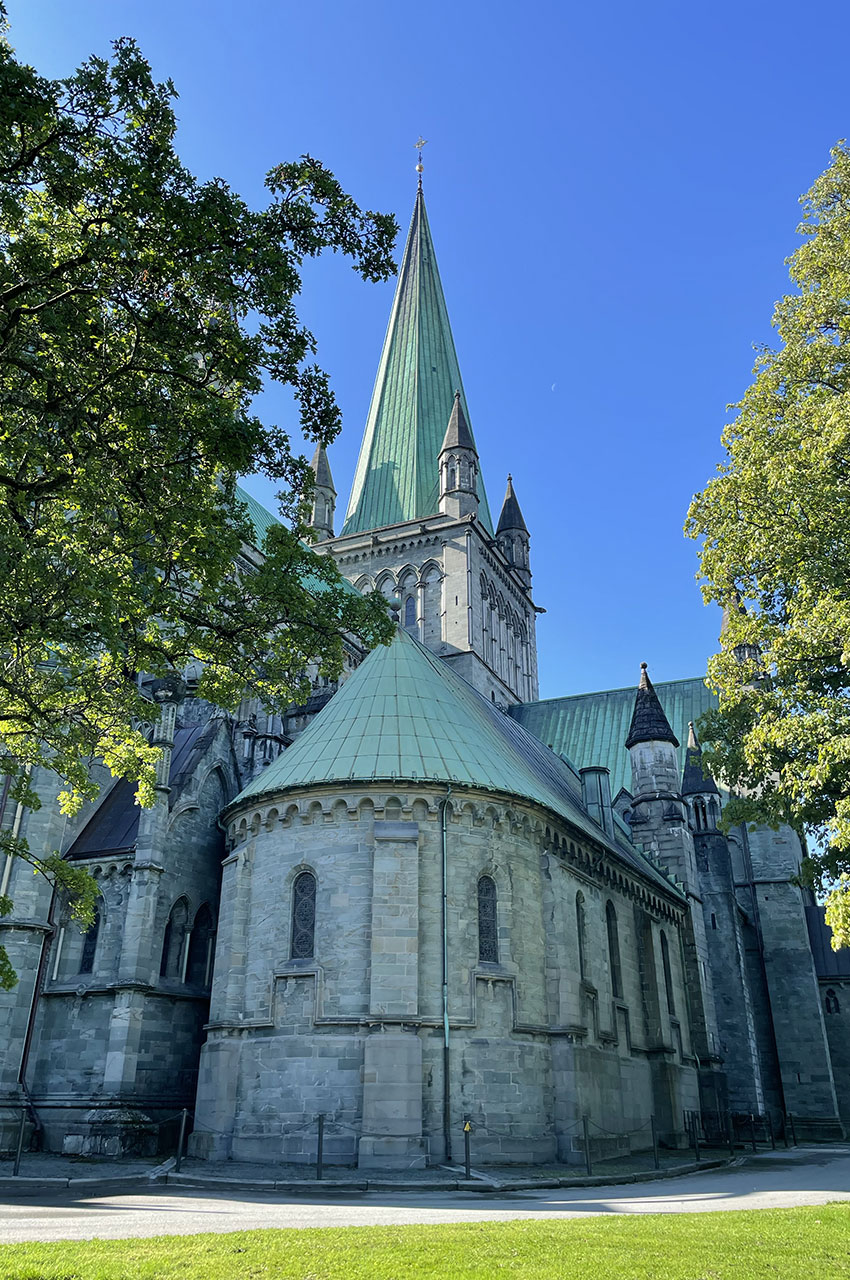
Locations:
{"points": [[405, 716], [397, 476], [591, 728]]}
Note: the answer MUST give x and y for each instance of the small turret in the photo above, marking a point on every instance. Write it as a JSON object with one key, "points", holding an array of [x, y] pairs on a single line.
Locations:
{"points": [[698, 787], [324, 496], [652, 744], [512, 537], [458, 463]]}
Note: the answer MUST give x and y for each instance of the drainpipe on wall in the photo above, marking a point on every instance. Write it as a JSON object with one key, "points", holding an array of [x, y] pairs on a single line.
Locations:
{"points": [[447, 1117]]}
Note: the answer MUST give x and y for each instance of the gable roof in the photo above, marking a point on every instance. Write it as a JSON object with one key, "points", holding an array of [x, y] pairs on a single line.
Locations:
{"points": [[405, 716], [591, 728], [397, 477], [114, 825]]}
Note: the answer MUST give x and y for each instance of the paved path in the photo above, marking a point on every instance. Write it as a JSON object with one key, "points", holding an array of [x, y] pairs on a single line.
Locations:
{"points": [[805, 1175]]}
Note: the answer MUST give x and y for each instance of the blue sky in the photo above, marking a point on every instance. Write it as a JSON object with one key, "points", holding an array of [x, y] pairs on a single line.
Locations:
{"points": [[612, 191]]}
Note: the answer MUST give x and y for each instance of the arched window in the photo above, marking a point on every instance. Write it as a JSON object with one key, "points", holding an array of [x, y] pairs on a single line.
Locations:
{"points": [[90, 943], [410, 613], [582, 958], [668, 975], [488, 925], [174, 942], [614, 950], [452, 479], [832, 1005], [201, 939], [303, 916]]}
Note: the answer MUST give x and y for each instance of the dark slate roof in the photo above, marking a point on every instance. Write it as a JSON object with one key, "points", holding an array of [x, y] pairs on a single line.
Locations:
{"points": [[828, 963], [322, 468], [695, 780], [511, 516], [649, 723], [458, 434], [397, 476], [113, 827], [404, 715], [591, 728]]}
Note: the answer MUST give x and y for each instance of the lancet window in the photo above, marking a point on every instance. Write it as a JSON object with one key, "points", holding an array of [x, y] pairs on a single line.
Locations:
{"points": [[614, 950], [580, 935], [668, 975], [201, 943], [303, 916], [90, 943], [174, 942], [488, 925]]}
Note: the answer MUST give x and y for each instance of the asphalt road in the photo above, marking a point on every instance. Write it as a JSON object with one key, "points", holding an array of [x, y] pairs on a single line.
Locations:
{"points": [[805, 1175]]}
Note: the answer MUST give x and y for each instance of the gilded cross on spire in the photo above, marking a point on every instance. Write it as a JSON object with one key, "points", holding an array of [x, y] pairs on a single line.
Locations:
{"points": [[423, 142]]}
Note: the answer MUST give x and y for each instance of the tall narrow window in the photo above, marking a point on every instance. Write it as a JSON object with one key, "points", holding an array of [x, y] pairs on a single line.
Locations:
{"points": [[488, 926], [201, 939], [614, 950], [832, 1005], [303, 916], [410, 613], [174, 941], [668, 975], [582, 958], [90, 942]]}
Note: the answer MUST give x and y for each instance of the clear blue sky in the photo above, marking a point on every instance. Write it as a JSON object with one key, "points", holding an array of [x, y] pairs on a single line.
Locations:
{"points": [[612, 191]]}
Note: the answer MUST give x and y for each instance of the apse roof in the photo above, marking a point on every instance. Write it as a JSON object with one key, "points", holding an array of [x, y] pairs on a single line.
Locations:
{"points": [[591, 728], [404, 715], [397, 476]]}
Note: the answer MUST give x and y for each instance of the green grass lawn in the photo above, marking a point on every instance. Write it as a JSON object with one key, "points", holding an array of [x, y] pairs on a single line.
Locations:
{"points": [[782, 1244]]}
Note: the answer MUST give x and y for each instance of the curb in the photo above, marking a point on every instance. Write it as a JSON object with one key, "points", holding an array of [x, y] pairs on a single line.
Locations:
{"points": [[33, 1186], [489, 1187], [164, 1175]]}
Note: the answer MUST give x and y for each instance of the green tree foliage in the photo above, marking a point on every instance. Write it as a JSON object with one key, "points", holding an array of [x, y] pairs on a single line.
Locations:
{"points": [[776, 552], [141, 312]]}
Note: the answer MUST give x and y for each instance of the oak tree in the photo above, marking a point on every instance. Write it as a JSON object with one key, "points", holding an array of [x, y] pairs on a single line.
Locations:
{"points": [[141, 312], [776, 552]]}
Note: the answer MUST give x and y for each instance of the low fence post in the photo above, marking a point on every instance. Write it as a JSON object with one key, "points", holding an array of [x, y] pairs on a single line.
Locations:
{"points": [[467, 1130], [696, 1123], [587, 1161], [320, 1147], [771, 1134], [20, 1146], [730, 1132], [753, 1131], [655, 1159], [184, 1116], [793, 1128]]}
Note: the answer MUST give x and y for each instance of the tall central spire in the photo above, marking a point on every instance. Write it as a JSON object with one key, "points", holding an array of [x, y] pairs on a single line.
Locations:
{"points": [[397, 476]]}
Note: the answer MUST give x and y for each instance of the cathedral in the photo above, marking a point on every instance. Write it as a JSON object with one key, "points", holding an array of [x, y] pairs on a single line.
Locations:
{"points": [[425, 897]]}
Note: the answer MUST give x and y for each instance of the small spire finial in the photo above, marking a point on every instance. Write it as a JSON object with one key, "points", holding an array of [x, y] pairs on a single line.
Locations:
{"points": [[643, 666], [419, 144]]}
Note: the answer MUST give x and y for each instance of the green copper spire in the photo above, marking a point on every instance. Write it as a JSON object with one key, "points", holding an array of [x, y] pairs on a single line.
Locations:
{"points": [[397, 476]]}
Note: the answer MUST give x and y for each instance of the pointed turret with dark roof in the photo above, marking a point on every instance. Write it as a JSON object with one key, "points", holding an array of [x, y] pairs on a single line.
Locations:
{"points": [[510, 517], [512, 536], [458, 434], [649, 723], [324, 495], [397, 476], [458, 465], [695, 780]]}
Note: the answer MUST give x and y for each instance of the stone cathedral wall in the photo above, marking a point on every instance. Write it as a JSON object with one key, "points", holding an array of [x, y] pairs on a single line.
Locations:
{"points": [[534, 1045]]}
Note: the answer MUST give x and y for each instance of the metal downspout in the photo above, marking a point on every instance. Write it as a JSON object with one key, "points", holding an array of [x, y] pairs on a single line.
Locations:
{"points": [[447, 1130]]}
